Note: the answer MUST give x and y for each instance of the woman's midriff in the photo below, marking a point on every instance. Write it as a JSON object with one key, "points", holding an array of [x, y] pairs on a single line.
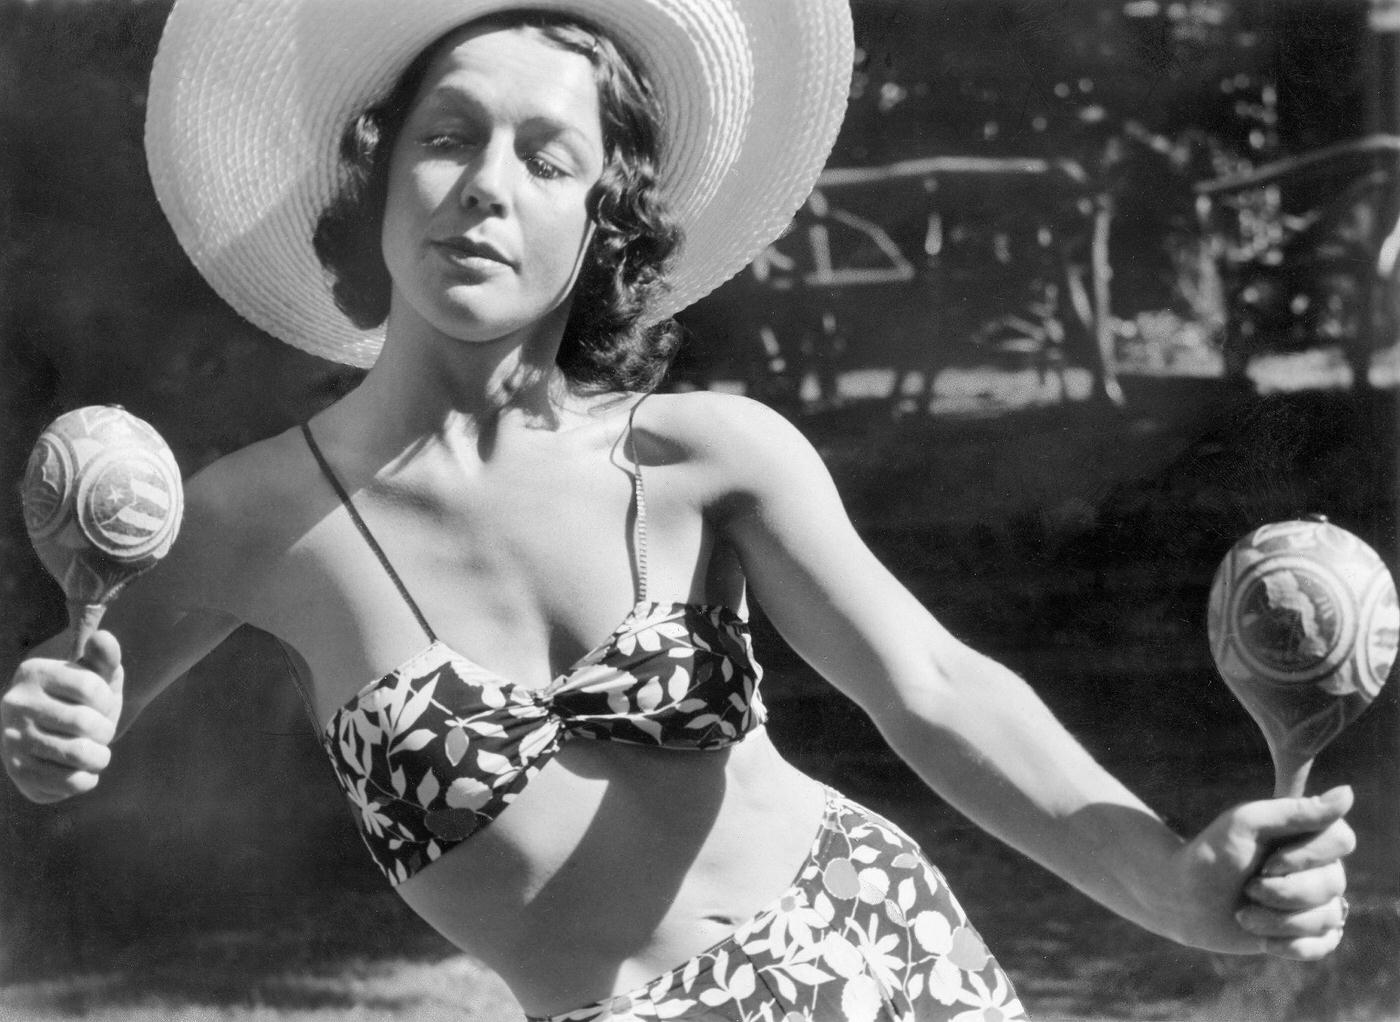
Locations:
{"points": [[619, 862]]}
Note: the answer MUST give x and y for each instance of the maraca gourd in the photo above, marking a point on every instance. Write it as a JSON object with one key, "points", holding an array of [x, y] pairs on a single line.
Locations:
{"points": [[102, 503], [1303, 626]]}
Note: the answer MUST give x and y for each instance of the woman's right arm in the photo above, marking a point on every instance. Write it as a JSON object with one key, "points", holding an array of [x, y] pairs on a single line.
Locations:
{"points": [[59, 717]]}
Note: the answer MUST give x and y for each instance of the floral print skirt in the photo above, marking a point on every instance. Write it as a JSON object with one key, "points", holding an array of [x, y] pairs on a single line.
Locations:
{"points": [[868, 932]]}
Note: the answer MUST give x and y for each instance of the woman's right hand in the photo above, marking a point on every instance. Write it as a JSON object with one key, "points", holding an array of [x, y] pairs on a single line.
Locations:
{"points": [[58, 719]]}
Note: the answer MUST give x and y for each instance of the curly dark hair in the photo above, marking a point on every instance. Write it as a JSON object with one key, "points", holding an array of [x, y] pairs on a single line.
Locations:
{"points": [[605, 346]]}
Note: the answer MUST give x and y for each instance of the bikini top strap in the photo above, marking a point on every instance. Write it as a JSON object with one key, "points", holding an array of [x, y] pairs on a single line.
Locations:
{"points": [[639, 507], [364, 531]]}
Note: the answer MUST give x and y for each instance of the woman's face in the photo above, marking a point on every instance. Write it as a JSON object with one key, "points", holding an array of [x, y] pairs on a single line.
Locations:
{"points": [[486, 214]]}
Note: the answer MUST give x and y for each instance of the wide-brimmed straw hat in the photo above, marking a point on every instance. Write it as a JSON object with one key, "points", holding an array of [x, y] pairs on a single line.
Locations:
{"points": [[249, 100]]}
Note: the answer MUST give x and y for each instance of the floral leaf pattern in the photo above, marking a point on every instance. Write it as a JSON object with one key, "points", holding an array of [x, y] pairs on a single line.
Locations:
{"points": [[830, 950], [435, 750]]}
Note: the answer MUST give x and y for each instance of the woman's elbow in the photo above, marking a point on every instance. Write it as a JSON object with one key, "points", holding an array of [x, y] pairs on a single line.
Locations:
{"points": [[944, 682], [920, 688]]}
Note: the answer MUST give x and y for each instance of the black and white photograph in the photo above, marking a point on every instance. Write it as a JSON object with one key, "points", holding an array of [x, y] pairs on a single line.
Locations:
{"points": [[699, 510]]}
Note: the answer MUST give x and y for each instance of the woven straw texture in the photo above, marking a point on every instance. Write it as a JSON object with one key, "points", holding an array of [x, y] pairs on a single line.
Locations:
{"points": [[249, 98]]}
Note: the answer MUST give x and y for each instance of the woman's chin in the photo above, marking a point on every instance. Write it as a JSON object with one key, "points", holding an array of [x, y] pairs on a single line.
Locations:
{"points": [[467, 315], [477, 327]]}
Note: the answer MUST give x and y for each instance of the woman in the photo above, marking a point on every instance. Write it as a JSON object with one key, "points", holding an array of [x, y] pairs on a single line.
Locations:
{"points": [[604, 822]]}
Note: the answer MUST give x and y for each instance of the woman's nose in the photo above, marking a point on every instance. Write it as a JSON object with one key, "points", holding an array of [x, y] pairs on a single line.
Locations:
{"points": [[484, 182]]}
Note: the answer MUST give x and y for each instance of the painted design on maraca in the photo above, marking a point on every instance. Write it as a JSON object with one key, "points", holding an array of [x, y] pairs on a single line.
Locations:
{"points": [[1303, 625], [102, 503]]}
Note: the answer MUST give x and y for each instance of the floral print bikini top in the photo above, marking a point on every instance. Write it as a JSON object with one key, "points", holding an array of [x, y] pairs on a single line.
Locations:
{"points": [[437, 748]]}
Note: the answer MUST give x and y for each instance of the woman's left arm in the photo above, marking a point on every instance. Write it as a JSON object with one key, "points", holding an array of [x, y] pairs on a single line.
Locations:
{"points": [[1264, 876]]}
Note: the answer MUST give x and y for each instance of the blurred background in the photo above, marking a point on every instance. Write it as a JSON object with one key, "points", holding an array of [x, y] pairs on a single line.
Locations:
{"points": [[1088, 290]]}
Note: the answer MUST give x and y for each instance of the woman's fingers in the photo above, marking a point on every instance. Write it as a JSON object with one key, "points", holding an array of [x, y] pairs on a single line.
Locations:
{"points": [[1299, 891], [72, 720], [48, 768], [1304, 949], [46, 784], [1335, 842], [65, 752], [1277, 864], [1276, 925], [1297, 901], [83, 687], [1285, 821], [1301, 915]]}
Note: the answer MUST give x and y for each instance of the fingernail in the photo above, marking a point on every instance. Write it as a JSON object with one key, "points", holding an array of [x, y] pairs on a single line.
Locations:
{"points": [[1254, 889], [1274, 868]]}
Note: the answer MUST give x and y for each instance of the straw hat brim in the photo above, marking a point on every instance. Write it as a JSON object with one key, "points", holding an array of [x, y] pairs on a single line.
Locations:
{"points": [[248, 101]]}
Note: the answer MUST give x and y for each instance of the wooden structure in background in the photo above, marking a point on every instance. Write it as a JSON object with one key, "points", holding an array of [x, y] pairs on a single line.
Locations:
{"points": [[1308, 249], [1078, 270]]}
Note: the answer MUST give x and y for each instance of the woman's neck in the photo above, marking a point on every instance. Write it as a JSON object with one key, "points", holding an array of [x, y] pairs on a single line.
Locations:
{"points": [[425, 383]]}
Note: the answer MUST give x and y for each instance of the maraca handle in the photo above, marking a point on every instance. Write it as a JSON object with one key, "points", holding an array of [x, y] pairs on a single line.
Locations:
{"points": [[1291, 771], [83, 621]]}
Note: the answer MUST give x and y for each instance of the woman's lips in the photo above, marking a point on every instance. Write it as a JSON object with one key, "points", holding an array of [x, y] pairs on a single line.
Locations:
{"points": [[469, 252]]}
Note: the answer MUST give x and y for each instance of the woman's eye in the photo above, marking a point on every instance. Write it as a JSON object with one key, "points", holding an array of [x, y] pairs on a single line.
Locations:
{"points": [[444, 142], [542, 168]]}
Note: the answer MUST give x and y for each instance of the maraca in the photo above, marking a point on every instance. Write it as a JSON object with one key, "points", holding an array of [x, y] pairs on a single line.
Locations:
{"points": [[1303, 626], [102, 503]]}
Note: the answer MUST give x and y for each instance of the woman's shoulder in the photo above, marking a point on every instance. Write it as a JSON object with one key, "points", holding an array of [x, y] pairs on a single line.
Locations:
{"points": [[735, 442], [716, 424], [239, 509], [249, 489]]}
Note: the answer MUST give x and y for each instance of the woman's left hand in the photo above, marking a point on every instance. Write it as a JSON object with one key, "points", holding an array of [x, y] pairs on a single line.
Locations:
{"points": [[1268, 876]]}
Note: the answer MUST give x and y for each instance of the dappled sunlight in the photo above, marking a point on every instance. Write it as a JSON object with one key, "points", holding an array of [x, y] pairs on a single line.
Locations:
{"points": [[989, 388]]}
